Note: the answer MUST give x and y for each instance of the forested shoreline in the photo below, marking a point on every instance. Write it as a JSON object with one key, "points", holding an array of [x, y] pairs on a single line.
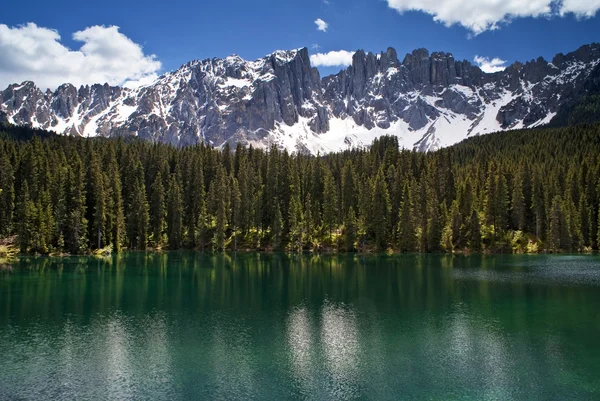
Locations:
{"points": [[521, 191]]}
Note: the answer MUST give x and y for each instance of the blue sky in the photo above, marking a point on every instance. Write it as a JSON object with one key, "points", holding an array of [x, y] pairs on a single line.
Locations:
{"points": [[179, 31]]}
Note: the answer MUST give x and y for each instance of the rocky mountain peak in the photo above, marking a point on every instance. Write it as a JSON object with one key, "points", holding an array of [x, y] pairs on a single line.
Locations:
{"points": [[428, 100]]}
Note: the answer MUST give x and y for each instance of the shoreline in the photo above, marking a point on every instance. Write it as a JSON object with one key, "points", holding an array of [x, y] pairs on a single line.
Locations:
{"points": [[287, 253]]}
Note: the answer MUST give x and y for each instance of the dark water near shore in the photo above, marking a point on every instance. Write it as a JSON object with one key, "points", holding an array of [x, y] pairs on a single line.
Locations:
{"points": [[192, 326]]}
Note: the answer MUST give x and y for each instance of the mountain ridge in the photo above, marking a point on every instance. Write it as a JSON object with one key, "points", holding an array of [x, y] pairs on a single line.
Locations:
{"points": [[428, 100]]}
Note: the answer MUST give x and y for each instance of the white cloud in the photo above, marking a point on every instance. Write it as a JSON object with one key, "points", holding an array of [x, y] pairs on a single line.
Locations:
{"points": [[490, 66], [33, 53], [321, 25], [581, 8], [315, 46], [482, 15], [332, 59]]}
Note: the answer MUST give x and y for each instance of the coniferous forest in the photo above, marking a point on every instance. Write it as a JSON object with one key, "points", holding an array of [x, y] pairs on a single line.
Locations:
{"points": [[520, 191]]}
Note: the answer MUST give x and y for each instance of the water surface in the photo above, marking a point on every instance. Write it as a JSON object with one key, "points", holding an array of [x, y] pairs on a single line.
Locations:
{"points": [[196, 326]]}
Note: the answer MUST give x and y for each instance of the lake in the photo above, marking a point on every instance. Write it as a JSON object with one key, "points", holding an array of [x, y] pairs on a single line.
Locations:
{"points": [[186, 325]]}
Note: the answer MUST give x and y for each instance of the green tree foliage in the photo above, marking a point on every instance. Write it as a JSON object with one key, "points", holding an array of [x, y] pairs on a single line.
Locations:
{"points": [[138, 218], [175, 214], [158, 211], [7, 195], [65, 194], [277, 226], [330, 204], [380, 211], [407, 239], [350, 230]]}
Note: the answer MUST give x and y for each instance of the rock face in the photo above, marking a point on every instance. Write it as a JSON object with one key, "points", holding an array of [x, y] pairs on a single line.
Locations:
{"points": [[427, 100]]}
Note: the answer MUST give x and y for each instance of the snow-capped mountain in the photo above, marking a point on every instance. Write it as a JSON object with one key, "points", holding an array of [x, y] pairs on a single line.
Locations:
{"points": [[427, 100]]}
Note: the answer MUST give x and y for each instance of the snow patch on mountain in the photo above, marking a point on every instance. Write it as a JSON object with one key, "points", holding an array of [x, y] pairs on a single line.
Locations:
{"points": [[427, 100]]}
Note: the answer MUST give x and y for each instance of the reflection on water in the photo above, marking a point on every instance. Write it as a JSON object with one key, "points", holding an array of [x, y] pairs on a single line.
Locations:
{"points": [[118, 367], [302, 349], [339, 340], [232, 362], [186, 325]]}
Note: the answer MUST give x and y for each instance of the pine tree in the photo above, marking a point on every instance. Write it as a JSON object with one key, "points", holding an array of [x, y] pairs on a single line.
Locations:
{"points": [[451, 232], [246, 195], [202, 225], [491, 195], [466, 202], [138, 211], [556, 219], [175, 214], [24, 218], [350, 230], [221, 211], [115, 218], [76, 223], [421, 210], [501, 200], [538, 205], [158, 210], [277, 226], [380, 210], [434, 226], [236, 210], [97, 203], [295, 218], [7, 195], [518, 203], [475, 234], [330, 204], [196, 194], [407, 239], [308, 221], [348, 188]]}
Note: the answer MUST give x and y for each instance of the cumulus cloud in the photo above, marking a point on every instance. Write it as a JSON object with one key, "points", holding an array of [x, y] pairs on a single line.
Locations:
{"points": [[332, 59], [482, 15], [321, 25], [33, 53], [490, 66]]}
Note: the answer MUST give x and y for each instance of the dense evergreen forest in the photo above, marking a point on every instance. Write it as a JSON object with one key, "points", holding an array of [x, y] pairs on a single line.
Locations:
{"points": [[521, 191]]}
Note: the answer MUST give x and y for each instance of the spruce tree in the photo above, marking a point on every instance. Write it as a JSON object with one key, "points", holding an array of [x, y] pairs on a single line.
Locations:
{"points": [[350, 229], [348, 187], [380, 211], [537, 205], [115, 219], [236, 210], [277, 226], [308, 221], [330, 204], [295, 218], [518, 203], [158, 210], [407, 239], [97, 203], [475, 234], [434, 225], [221, 211], [76, 223], [556, 220], [175, 214], [24, 217], [138, 216], [7, 195]]}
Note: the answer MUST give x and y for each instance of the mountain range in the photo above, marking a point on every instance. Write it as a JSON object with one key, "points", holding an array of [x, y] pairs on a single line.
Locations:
{"points": [[428, 100]]}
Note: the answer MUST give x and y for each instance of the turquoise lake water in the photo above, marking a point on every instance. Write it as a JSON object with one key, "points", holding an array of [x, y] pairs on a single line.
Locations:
{"points": [[186, 325]]}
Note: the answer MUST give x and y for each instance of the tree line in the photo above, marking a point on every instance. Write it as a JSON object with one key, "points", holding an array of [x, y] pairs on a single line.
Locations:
{"points": [[521, 191]]}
